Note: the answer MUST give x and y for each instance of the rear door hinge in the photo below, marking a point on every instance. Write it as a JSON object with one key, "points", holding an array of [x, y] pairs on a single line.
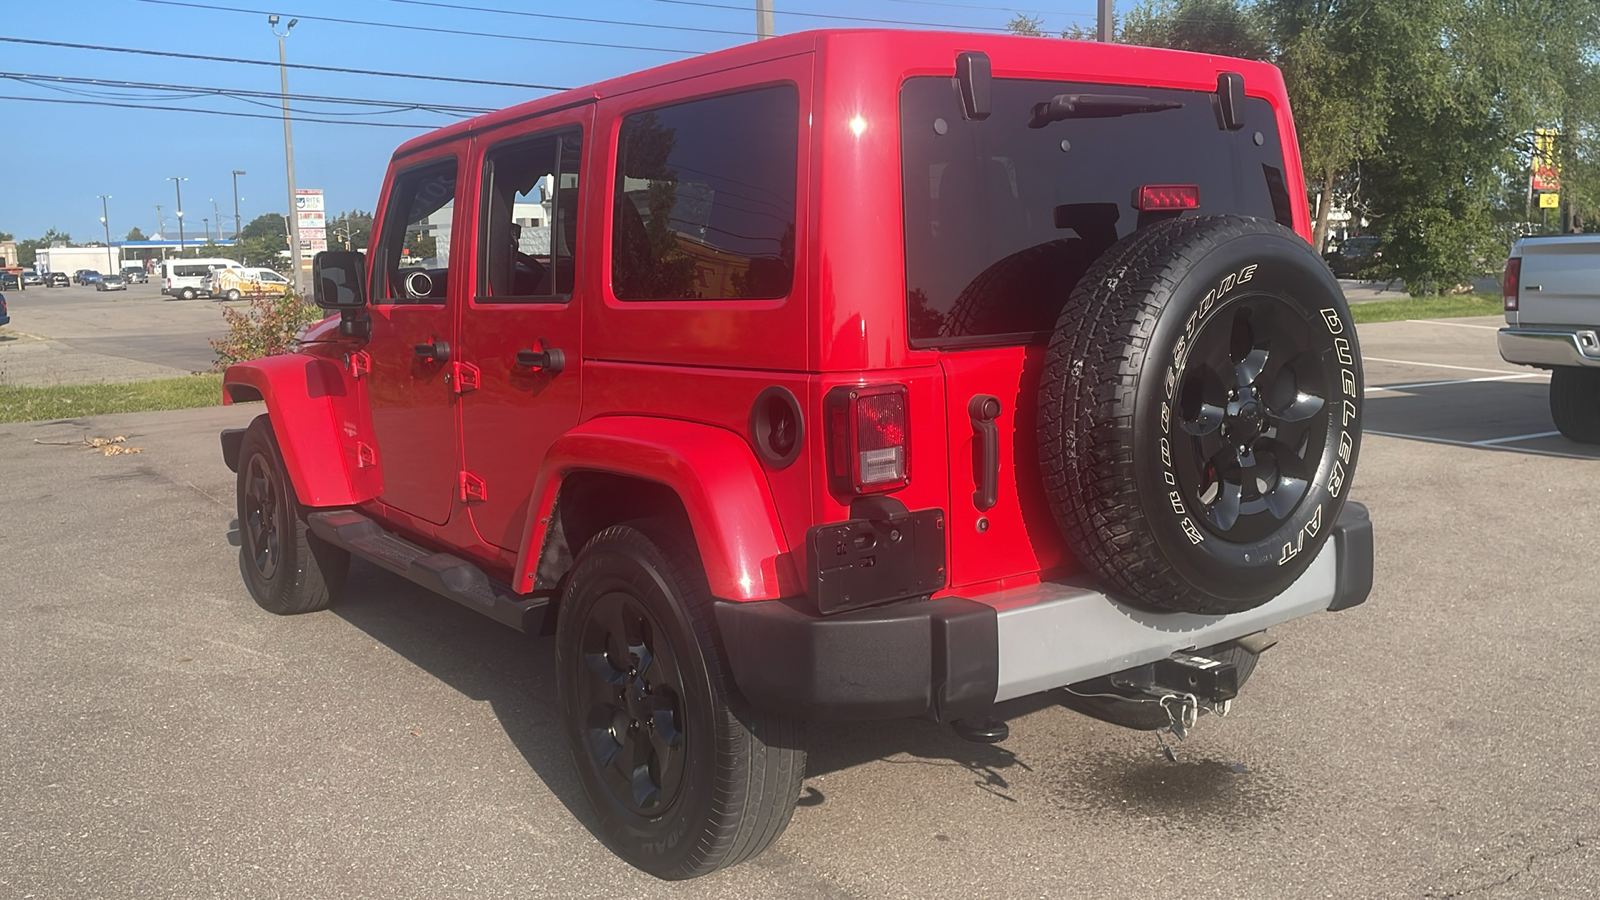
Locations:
{"points": [[472, 487], [360, 364], [466, 377], [366, 457]]}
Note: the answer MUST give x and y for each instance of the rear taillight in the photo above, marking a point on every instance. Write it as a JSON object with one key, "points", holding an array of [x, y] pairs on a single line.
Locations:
{"points": [[1511, 285], [1168, 196], [869, 447]]}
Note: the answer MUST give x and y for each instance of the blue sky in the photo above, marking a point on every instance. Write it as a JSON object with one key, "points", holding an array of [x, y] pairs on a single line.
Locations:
{"points": [[57, 158]]}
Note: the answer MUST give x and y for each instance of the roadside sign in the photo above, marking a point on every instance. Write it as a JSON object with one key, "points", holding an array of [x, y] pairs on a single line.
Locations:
{"points": [[1549, 201]]}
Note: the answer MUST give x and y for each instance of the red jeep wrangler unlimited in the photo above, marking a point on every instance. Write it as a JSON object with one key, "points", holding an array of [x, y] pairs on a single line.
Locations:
{"points": [[851, 374]]}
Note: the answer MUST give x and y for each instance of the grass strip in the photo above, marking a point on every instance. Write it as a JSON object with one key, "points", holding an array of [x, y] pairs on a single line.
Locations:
{"points": [[31, 404], [1453, 307]]}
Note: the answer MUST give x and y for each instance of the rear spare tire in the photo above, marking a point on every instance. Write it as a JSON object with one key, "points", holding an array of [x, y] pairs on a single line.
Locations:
{"points": [[1200, 413]]}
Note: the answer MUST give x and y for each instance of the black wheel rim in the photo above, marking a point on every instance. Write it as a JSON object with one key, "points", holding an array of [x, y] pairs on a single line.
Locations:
{"points": [[1252, 417], [629, 704], [263, 532]]}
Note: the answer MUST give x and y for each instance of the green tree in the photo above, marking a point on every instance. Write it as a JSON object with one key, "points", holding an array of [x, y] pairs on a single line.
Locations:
{"points": [[134, 234], [1226, 27]]}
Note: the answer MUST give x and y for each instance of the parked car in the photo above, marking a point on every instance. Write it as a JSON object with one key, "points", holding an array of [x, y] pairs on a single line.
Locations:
{"points": [[186, 278], [5, 316], [1551, 292], [110, 283], [56, 279], [10, 281], [77, 276], [1354, 256], [232, 284], [32, 278], [88, 277], [135, 275], [856, 375]]}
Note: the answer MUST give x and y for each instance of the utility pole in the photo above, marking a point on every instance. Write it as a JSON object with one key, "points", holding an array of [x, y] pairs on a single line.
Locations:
{"points": [[764, 28], [216, 217], [236, 174], [288, 154], [1106, 24], [177, 183], [105, 219]]}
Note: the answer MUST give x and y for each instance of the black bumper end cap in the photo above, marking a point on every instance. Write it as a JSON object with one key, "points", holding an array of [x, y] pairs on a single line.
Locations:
{"points": [[1352, 538]]}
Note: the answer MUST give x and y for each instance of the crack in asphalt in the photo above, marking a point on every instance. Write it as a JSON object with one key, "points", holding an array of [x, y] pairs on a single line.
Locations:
{"points": [[1527, 866]]}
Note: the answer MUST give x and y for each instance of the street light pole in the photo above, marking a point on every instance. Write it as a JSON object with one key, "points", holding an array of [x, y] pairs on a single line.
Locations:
{"points": [[1106, 23], [177, 183], [236, 174], [288, 151], [105, 219]]}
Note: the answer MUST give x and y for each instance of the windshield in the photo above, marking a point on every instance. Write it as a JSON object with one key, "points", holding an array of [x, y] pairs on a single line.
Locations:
{"points": [[1002, 219]]}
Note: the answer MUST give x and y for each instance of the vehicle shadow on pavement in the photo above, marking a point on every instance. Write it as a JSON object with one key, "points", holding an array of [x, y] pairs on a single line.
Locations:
{"points": [[1502, 416], [483, 660]]}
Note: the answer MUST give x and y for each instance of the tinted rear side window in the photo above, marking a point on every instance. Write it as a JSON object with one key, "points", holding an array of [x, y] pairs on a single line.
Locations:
{"points": [[705, 199], [1002, 219]]}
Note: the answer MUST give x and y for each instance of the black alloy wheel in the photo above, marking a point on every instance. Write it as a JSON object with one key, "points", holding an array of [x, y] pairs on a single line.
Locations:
{"points": [[261, 517], [683, 776], [288, 569], [630, 699], [1253, 398]]}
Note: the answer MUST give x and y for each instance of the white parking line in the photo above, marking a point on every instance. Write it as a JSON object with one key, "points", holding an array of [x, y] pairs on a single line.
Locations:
{"points": [[1424, 384], [1407, 362], [1454, 324], [1519, 437], [1477, 445]]}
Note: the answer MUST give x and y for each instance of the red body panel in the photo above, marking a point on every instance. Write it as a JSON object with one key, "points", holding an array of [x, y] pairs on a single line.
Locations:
{"points": [[714, 473], [321, 419], [663, 390]]}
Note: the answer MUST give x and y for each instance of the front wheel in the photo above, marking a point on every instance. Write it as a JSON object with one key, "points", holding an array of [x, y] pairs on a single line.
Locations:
{"points": [[684, 778], [288, 569]]}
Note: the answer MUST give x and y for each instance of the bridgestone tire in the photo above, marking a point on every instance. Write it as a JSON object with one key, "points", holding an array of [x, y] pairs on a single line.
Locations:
{"points": [[683, 776], [1575, 403], [1200, 414], [287, 569]]}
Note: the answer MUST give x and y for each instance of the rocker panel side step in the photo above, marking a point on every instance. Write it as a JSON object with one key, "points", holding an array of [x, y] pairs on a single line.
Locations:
{"points": [[442, 573]]}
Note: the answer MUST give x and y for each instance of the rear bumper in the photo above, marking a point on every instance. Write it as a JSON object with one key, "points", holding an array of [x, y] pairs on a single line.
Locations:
{"points": [[1547, 347], [954, 657]]}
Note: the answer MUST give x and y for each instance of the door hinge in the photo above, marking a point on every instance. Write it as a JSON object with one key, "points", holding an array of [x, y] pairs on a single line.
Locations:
{"points": [[360, 364], [366, 457], [466, 377], [472, 487]]}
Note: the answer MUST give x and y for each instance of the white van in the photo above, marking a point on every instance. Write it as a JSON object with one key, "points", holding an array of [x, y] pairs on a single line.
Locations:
{"points": [[185, 278]]}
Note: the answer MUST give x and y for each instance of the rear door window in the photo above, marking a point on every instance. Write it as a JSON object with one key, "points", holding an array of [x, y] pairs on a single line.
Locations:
{"points": [[1002, 219], [530, 219], [705, 199]]}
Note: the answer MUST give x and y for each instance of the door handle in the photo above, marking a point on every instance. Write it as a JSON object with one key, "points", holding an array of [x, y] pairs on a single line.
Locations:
{"points": [[547, 360], [433, 351], [983, 410]]}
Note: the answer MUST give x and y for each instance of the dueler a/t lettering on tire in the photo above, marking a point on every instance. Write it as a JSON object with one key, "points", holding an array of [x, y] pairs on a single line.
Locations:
{"points": [[683, 776], [1200, 413]]}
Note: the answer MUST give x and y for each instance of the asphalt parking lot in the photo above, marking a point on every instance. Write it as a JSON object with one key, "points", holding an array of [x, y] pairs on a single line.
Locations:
{"points": [[160, 736], [78, 335]]}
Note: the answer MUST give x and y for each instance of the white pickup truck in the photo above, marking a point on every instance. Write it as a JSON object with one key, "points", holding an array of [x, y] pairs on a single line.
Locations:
{"points": [[1552, 304]]}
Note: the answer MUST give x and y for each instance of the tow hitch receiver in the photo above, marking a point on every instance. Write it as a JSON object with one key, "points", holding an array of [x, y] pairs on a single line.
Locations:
{"points": [[1207, 680]]}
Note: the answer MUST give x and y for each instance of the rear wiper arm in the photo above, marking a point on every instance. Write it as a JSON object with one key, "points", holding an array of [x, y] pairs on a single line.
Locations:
{"points": [[1095, 106]]}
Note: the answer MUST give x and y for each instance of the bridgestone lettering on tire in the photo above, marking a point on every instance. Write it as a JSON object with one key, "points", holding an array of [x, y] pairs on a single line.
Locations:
{"points": [[683, 776], [1200, 413]]}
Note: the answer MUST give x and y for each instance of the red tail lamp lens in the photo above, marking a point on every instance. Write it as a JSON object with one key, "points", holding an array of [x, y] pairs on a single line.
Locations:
{"points": [[1510, 287], [869, 438], [1168, 196]]}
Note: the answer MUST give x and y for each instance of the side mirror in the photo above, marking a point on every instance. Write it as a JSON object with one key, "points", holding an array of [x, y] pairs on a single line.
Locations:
{"points": [[339, 280]]}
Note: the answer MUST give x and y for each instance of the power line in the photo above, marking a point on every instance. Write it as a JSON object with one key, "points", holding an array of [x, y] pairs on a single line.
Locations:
{"points": [[273, 63], [236, 93], [423, 28], [212, 112], [997, 9], [534, 15], [788, 12]]}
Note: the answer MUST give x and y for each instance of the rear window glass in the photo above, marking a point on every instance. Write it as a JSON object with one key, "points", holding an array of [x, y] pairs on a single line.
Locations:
{"points": [[191, 271], [705, 199], [1001, 220]]}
